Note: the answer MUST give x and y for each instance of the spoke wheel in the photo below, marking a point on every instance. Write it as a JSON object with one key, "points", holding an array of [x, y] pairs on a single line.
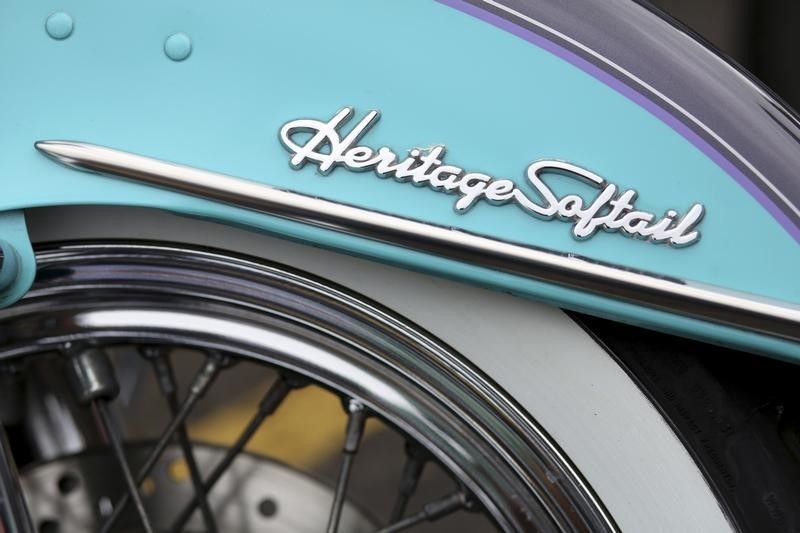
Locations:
{"points": [[91, 299]]}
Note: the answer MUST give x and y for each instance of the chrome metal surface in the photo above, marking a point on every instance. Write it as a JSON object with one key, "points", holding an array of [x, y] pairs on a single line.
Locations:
{"points": [[328, 148], [748, 312], [357, 416], [151, 295], [91, 375], [586, 412], [300, 502]]}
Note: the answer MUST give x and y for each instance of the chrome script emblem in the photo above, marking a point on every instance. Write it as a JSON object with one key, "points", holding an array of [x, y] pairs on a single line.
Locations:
{"points": [[611, 209]]}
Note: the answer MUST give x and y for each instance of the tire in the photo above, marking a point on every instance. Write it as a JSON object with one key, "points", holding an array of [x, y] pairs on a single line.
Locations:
{"points": [[736, 412], [555, 373]]}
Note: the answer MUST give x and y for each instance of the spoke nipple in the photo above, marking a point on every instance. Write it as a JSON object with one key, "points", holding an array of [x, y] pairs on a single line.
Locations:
{"points": [[158, 357], [295, 381], [91, 375], [417, 452], [152, 351], [355, 425], [215, 361], [69, 348], [220, 359], [354, 406], [437, 509], [468, 500]]}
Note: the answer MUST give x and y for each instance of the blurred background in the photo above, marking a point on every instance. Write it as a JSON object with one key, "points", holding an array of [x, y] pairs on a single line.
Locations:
{"points": [[760, 35]]}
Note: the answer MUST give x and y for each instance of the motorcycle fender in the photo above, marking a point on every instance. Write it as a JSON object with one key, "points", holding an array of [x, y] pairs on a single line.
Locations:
{"points": [[212, 88]]}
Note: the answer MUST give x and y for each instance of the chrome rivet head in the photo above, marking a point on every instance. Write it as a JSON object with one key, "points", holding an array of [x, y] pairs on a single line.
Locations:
{"points": [[178, 46], [59, 25]]}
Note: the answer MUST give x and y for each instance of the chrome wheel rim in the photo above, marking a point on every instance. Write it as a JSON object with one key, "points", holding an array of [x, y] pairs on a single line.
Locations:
{"points": [[148, 294]]}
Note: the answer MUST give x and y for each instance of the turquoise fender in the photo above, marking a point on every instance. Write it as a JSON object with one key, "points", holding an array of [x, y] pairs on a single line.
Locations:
{"points": [[210, 85]]}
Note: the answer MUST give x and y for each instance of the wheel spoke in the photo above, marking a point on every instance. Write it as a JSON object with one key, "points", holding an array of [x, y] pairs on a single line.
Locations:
{"points": [[271, 401], [116, 445], [416, 457], [94, 382], [357, 415], [166, 381], [13, 509], [211, 368], [431, 511]]}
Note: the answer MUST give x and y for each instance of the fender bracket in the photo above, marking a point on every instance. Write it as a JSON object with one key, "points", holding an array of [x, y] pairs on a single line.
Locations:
{"points": [[18, 268]]}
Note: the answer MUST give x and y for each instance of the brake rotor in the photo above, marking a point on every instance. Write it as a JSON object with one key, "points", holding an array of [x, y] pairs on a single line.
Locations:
{"points": [[76, 494]]}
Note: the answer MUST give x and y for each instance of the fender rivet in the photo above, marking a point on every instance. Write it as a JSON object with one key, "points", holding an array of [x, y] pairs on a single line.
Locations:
{"points": [[178, 46], [59, 25]]}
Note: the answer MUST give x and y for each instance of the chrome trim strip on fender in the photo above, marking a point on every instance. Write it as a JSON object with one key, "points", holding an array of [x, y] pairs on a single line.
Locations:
{"points": [[704, 302]]}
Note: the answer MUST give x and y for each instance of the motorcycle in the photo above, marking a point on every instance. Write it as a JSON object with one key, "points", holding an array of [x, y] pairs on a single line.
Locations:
{"points": [[532, 264]]}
